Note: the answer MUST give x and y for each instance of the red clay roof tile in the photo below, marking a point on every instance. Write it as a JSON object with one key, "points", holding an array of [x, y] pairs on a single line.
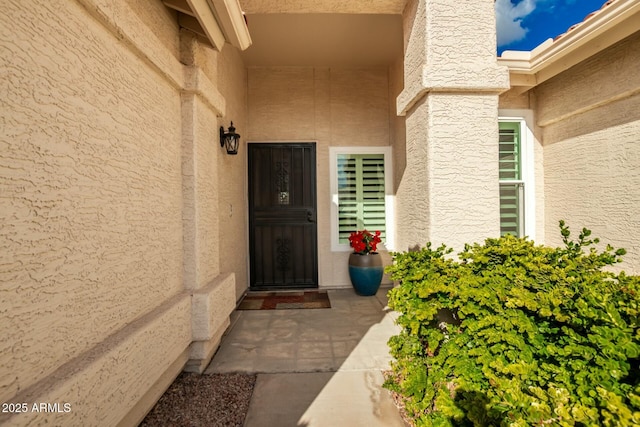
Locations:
{"points": [[589, 16]]}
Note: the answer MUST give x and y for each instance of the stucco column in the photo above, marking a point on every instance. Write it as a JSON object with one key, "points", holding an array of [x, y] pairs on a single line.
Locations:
{"points": [[213, 293], [449, 189], [201, 104]]}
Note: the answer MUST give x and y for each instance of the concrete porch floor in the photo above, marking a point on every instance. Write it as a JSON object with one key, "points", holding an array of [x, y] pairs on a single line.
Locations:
{"points": [[316, 367]]}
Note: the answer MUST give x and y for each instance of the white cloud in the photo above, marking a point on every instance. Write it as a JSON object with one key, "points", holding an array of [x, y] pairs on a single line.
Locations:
{"points": [[509, 20]]}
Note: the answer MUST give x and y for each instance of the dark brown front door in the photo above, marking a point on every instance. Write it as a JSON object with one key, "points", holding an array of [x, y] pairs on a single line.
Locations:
{"points": [[282, 216]]}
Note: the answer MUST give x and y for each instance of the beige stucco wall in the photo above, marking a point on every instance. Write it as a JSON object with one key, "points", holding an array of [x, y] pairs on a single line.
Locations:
{"points": [[332, 107], [591, 132], [213, 290], [232, 81], [517, 99], [107, 141], [397, 123], [199, 160]]}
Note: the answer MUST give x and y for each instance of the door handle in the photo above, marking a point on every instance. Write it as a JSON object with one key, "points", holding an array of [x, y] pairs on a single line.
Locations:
{"points": [[310, 216]]}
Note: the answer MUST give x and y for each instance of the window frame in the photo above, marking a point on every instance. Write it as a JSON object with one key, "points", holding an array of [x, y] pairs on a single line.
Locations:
{"points": [[386, 151], [527, 176]]}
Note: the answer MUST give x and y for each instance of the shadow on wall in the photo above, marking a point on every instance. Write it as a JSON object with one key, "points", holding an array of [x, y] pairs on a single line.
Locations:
{"points": [[617, 113]]}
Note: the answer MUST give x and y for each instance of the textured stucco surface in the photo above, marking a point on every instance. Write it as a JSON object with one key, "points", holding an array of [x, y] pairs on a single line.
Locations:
{"points": [[232, 193], [208, 248], [413, 226], [449, 46], [592, 149], [332, 107], [90, 186], [161, 21], [206, 153], [397, 126], [106, 384], [513, 99], [98, 115], [601, 79], [463, 170], [448, 191], [201, 194], [200, 106], [211, 307]]}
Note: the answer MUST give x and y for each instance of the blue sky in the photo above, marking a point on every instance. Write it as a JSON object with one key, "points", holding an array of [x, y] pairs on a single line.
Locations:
{"points": [[524, 24]]}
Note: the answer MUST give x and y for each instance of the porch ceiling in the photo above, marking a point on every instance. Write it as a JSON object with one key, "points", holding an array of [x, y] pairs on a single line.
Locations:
{"points": [[299, 32], [323, 32], [323, 39], [323, 6]]}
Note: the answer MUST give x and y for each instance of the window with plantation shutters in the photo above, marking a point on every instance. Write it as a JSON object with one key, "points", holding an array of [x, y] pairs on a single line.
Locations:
{"points": [[361, 194], [511, 179], [361, 183]]}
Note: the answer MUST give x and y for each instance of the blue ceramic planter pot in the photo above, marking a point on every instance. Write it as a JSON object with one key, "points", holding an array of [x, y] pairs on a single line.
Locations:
{"points": [[365, 272]]}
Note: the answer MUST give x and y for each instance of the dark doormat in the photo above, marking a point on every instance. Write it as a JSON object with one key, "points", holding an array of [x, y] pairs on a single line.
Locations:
{"points": [[284, 300]]}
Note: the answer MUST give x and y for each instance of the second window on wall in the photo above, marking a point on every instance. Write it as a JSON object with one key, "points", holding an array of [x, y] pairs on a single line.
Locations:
{"points": [[511, 182], [360, 183], [516, 175]]}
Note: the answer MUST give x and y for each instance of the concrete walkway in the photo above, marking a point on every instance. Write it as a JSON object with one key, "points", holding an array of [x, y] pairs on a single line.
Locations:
{"points": [[316, 367]]}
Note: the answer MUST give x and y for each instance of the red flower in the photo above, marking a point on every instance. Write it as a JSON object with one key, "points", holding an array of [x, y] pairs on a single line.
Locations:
{"points": [[364, 242]]}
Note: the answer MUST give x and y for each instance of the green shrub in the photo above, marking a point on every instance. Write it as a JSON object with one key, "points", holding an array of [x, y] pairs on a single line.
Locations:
{"points": [[515, 334]]}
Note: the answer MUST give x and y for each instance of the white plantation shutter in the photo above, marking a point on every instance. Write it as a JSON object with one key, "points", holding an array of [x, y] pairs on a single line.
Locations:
{"points": [[361, 194], [511, 183]]}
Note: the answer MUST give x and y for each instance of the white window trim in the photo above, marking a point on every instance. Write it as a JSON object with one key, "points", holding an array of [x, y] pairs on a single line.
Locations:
{"points": [[388, 198], [525, 118]]}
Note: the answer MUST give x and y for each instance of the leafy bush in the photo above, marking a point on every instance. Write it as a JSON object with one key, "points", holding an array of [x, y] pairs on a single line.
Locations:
{"points": [[515, 334]]}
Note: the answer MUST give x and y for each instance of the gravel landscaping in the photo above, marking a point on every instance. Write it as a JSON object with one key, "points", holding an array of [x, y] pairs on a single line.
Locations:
{"points": [[203, 400]]}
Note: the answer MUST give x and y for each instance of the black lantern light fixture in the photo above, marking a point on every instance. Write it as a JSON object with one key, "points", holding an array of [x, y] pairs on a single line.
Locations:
{"points": [[230, 139]]}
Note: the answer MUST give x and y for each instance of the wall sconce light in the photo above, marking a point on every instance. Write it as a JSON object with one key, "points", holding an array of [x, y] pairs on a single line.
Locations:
{"points": [[229, 140]]}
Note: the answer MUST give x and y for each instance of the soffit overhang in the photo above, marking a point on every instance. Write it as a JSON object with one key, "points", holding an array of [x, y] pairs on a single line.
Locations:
{"points": [[219, 21], [611, 24]]}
